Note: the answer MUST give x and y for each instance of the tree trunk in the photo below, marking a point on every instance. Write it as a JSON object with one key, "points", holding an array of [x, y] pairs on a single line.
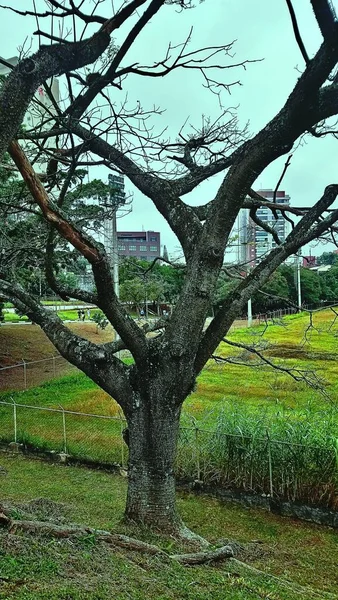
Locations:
{"points": [[153, 434]]}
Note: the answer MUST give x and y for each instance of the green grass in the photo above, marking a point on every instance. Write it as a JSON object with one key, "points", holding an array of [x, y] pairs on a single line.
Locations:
{"points": [[225, 421], [46, 569], [65, 315], [13, 317]]}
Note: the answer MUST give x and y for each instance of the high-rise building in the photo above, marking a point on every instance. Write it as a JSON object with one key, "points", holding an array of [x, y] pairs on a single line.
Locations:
{"points": [[254, 242]]}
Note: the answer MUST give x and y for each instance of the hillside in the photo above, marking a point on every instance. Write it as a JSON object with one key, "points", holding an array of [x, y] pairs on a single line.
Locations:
{"points": [[29, 343]]}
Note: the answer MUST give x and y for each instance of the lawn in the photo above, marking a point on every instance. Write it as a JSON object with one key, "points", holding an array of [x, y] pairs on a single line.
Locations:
{"points": [[46, 569], [65, 315], [249, 428]]}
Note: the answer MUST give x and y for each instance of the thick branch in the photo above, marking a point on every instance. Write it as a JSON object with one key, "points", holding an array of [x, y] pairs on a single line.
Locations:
{"points": [[326, 19], [96, 361], [131, 334], [19, 87], [304, 232], [180, 217], [77, 109], [87, 248]]}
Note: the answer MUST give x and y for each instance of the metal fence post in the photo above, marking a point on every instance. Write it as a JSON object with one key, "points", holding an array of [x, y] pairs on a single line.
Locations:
{"points": [[24, 373], [64, 430], [270, 463], [15, 422], [198, 461], [122, 442]]}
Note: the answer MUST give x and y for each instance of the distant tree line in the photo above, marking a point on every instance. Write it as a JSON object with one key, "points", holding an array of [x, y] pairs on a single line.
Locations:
{"points": [[281, 288], [142, 283]]}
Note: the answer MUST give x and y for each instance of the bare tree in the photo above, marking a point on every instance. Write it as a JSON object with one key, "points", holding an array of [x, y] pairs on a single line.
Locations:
{"points": [[93, 130]]}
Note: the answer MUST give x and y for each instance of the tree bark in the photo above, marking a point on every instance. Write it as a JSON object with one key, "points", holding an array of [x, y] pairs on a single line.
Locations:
{"points": [[153, 429]]}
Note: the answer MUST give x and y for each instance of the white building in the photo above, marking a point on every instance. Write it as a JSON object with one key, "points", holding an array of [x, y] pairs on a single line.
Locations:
{"points": [[254, 242]]}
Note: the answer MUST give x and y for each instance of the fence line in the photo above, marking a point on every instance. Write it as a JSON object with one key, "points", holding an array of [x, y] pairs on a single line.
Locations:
{"points": [[258, 317], [31, 362], [120, 418], [278, 468]]}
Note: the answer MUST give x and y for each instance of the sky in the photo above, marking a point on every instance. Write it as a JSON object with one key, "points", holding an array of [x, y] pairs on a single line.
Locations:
{"points": [[263, 33]]}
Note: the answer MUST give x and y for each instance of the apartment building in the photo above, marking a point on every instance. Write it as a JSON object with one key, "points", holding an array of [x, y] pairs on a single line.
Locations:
{"points": [[254, 242]]}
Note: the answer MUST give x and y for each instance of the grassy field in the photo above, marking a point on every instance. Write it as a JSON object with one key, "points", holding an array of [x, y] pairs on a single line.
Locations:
{"points": [[65, 315], [247, 427], [29, 343], [256, 386], [44, 569]]}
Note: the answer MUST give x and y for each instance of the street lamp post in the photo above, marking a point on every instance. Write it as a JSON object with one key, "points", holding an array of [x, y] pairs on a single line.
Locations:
{"points": [[116, 199], [299, 288]]}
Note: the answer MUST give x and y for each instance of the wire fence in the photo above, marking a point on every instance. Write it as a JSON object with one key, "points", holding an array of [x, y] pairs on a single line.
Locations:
{"points": [[261, 465], [25, 374], [85, 436]]}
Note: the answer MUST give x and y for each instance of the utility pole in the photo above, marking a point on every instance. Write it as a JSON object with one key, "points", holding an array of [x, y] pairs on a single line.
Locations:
{"points": [[299, 289], [249, 313], [117, 198], [115, 255]]}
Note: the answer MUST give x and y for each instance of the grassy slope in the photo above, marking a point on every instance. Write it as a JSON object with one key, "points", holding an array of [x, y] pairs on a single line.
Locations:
{"points": [[29, 341], [59, 570], [260, 388]]}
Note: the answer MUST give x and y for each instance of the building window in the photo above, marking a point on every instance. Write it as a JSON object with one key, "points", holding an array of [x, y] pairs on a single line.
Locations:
{"points": [[121, 247], [153, 248], [153, 238], [143, 248], [132, 248]]}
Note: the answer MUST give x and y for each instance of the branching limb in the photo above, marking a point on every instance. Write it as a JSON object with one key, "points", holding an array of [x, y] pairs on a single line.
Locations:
{"points": [[77, 109], [93, 252], [297, 32], [326, 18], [308, 228], [300, 375], [19, 87], [180, 217], [90, 358], [264, 225]]}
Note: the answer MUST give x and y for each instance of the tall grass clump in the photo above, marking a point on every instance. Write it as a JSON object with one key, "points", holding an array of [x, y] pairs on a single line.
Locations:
{"points": [[286, 455]]}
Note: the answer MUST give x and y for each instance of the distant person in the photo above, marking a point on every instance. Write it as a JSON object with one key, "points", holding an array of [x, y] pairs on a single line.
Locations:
{"points": [[83, 315], [141, 312], [79, 314], [88, 313]]}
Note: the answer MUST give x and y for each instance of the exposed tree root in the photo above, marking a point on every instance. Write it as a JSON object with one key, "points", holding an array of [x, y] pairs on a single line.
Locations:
{"points": [[187, 535], [45, 528], [60, 531], [48, 529], [198, 558]]}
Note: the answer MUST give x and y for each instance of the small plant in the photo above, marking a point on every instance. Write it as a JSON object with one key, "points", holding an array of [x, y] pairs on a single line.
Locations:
{"points": [[100, 320]]}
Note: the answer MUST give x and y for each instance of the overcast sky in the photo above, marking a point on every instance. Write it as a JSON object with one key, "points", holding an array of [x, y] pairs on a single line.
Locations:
{"points": [[263, 30]]}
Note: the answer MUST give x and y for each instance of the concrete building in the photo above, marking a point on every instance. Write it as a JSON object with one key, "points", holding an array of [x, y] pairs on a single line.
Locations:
{"points": [[309, 261], [254, 243], [145, 245]]}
